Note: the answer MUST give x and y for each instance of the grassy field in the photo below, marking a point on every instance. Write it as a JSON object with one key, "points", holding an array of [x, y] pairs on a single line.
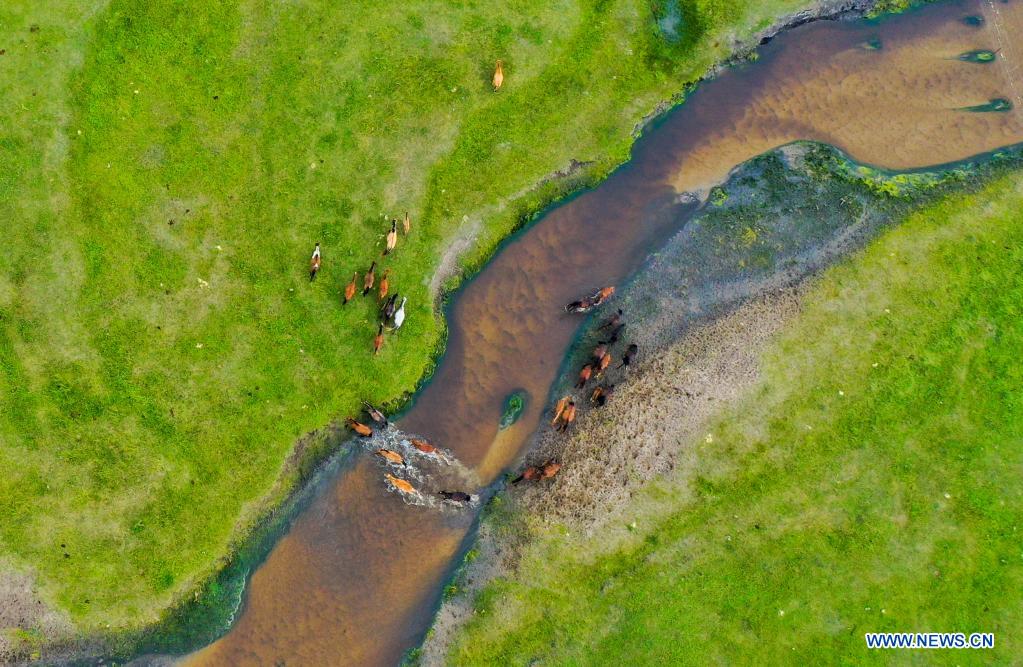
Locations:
{"points": [[167, 170], [871, 483]]}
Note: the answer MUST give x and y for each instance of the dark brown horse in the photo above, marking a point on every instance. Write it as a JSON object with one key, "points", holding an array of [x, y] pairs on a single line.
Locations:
{"points": [[456, 496]]}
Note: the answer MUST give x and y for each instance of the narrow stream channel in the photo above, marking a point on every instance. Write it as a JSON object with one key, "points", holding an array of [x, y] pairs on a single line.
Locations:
{"points": [[359, 575]]}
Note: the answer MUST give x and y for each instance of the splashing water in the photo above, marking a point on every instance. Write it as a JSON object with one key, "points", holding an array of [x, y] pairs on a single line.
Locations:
{"points": [[430, 473]]}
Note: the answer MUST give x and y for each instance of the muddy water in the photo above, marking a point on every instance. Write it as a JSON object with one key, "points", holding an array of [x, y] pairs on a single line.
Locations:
{"points": [[357, 577]]}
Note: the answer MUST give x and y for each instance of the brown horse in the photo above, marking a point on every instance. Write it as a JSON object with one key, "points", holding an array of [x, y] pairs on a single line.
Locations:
{"points": [[358, 427], [601, 394], [350, 289], [615, 335], [630, 354], [401, 485], [391, 457], [422, 446], [529, 474], [367, 282], [603, 295], [611, 322], [580, 306], [584, 376], [385, 284], [568, 416], [550, 469], [604, 362], [378, 340], [559, 408]]}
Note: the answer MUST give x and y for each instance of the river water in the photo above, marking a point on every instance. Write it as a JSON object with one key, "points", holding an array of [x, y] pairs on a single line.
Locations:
{"points": [[359, 574]]}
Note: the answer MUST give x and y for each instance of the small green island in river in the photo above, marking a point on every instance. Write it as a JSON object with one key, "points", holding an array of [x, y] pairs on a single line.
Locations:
{"points": [[462, 332]]}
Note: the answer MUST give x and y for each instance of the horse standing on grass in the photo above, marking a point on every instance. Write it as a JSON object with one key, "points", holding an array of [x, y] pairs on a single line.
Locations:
{"points": [[498, 75], [528, 475], [559, 408], [350, 289], [550, 469], [568, 416], [584, 376], [630, 353], [314, 263], [392, 237], [371, 277], [611, 322]]}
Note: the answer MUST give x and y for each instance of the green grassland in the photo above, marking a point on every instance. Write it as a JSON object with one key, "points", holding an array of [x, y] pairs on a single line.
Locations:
{"points": [[167, 168], [872, 482]]}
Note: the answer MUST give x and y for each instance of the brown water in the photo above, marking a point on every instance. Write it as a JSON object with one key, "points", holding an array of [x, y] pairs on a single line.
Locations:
{"points": [[358, 576]]}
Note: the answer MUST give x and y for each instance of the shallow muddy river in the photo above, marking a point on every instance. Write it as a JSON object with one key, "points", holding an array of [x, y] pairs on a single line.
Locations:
{"points": [[359, 574]]}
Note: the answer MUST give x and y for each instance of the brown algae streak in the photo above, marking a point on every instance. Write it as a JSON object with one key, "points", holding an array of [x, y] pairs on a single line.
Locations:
{"points": [[358, 576]]}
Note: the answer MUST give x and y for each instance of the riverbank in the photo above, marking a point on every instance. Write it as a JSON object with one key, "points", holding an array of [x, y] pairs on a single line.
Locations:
{"points": [[663, 417], [139, 411], [612, 454]]}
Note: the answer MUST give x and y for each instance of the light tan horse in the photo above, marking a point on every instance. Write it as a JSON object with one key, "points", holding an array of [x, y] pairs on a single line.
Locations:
{"points": [[401, 485], [358, 427], [392, 457], [498, 75]]}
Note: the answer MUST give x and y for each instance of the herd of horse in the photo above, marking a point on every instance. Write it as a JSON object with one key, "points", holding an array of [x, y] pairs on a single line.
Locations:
{"points": [[564, 411], [392, 316]]}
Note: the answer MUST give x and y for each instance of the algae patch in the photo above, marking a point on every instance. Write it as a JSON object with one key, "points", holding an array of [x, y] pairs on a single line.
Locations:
{"points": [[513, 407], [998, 104], [981, 56]]}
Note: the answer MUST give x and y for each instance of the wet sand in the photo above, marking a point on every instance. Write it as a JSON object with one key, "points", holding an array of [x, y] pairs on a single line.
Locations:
{"points": [[358, 576]]}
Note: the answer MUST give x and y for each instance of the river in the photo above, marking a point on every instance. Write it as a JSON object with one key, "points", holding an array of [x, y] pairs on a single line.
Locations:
{"points": [[359, 574]]}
